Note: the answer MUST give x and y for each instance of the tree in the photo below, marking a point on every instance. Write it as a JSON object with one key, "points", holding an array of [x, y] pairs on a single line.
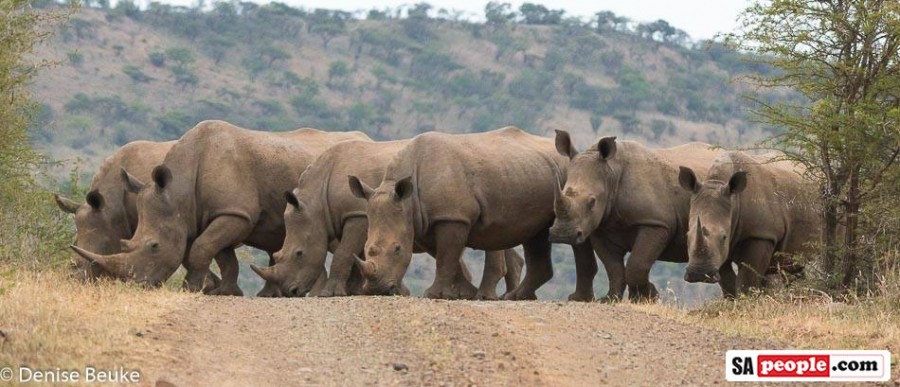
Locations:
{"points": [[337, 69], [272, 54], [843, 57], [217, 47], [498, 13], [539, 14], [181, 56]]}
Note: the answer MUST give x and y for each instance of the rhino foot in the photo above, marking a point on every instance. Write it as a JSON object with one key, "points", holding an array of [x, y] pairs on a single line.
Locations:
{"points": [[487, 295], [643, 294], [227, 290], [610, 299], [269, 290], [334, 289], [519, 294], [452, 292], [582, 297]]}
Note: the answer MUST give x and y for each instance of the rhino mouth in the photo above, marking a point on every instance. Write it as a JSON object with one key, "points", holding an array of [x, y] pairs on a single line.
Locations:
{"points": [[572, 237], [389, 289], [709, 276]]}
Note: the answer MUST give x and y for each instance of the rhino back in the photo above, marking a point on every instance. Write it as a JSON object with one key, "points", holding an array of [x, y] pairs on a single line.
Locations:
{"points": [[648, 193], [324, 183], [777, 203], [500, 182], [220, 168], [138, 158]]}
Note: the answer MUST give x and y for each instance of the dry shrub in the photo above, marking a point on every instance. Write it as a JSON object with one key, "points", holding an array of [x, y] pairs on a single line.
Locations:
{"points": [[49, 320]]}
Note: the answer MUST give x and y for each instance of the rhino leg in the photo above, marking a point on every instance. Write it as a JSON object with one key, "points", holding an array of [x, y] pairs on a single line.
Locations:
{"points": [[514, 265], [223, 233], [613, 259], [649, 244], [270, 289], [319, 284], [228, 265], [463, 281], [727, 280], [753, 257], [355, 282], [585, 270], [540, 267], [450, 241], [494, 270], [353, 240]]}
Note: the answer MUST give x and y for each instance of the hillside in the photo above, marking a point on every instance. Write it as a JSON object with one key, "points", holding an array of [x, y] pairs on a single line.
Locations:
{"points": [[128, 74]]}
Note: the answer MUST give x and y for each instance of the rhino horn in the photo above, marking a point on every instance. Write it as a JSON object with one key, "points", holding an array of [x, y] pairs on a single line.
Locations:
{"points": [[367, 268], [698, 234], [114, 264], [266, 273], [558, 201], [65, 203]]}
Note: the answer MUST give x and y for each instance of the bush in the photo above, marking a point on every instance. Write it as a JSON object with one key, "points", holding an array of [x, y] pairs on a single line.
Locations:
{"points": [[75, 58], [157, 58], [173, 124], [136, 74], [532, 85]]}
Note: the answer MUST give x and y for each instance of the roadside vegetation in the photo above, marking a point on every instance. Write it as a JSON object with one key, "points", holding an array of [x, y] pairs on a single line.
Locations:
{"points": [[397, 73]]}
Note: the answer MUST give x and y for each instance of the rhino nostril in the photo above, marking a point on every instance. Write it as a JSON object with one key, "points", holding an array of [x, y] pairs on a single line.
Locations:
{"points": [[374, 251], [397, 248]]}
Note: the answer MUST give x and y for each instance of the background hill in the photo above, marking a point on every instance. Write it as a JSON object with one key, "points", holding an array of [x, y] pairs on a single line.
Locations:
{"points": [[128, 73]]}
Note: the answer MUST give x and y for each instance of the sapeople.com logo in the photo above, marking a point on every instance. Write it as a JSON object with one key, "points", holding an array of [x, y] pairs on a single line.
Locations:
{"points": [[785, 366]]}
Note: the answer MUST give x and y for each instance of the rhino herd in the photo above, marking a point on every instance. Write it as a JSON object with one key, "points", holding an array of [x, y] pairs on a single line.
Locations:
{"points": [[153, 207]]}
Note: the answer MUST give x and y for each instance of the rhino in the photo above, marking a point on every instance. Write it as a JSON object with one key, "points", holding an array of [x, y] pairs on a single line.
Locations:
{"points": [[442, 193], [219, 186], [624, 197], [747, 211], [108, 213], [322, 214]]}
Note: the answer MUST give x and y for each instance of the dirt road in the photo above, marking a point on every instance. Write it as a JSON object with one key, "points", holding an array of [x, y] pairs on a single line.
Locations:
{"points": [[228, 341]]}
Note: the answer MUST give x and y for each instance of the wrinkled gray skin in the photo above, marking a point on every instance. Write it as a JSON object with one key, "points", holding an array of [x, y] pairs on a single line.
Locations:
{"points": [[747, 211], [219, 186], [323, 215], [443, 192], [109, 214], [624, 197]]}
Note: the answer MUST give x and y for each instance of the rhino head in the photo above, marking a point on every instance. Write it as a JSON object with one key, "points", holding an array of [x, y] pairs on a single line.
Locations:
{"points": [[709, 233], [581, 204], [299, 262], [159, 242], [101, 222], [389, 244]]}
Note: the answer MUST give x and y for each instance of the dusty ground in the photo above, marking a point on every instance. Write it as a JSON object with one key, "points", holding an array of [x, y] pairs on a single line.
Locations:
{"points": [[229, 341]]}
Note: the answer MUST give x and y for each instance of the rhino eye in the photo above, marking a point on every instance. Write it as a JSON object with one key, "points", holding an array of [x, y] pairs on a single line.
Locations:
{"points": [[299, 254], [154, 246], [591, 202]]}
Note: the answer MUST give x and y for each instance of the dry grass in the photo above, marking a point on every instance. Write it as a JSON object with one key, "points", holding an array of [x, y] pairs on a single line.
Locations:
{"points": [[48, 320], [802, 321]]}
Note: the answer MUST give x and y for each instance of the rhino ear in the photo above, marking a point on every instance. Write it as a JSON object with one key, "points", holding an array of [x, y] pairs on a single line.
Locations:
{"points": [[360, 189], [95, 199], [688, 179], [65, 204], [132, 184], [564, 144], [737, 182], [292, 199], [607, 147], [162, 176], [404, 188]]}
